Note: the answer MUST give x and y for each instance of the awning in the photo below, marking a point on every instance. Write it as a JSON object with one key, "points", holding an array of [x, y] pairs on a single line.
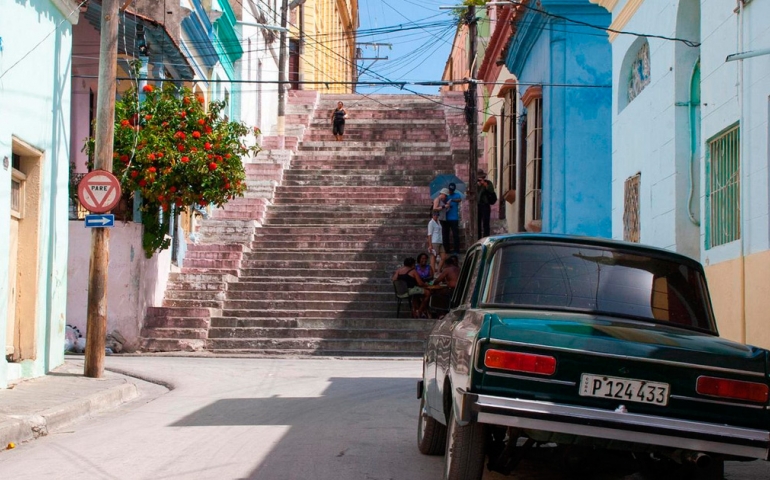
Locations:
{"points": [[162, 48]]}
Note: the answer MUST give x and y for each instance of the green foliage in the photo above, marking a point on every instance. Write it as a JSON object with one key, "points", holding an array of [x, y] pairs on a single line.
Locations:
{"points": [[460, 14], [174, 151]]}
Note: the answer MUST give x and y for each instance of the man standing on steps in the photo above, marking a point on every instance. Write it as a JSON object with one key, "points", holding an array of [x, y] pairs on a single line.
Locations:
{"points": [[487, 198], [453, 220], [435, 247]]}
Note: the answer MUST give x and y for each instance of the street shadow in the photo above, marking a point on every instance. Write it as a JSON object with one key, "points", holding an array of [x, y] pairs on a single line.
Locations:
{"points": [[339, 434]]}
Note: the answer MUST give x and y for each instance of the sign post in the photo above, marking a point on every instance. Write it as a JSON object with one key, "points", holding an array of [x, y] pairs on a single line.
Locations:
{"points": [[100, 195]]}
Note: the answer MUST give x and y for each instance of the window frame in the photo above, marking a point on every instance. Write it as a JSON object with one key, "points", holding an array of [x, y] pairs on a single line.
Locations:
{"points": [[533, 193], [631, 188], [728, 195]]}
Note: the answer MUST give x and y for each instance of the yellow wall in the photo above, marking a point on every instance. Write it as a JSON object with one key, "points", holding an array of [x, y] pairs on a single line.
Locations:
{"points": [[727, 296], [330, 44]]}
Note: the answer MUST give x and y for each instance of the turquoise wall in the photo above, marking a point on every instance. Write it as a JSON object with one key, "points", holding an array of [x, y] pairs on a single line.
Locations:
{"points": [[35, 104], [577, 121]]}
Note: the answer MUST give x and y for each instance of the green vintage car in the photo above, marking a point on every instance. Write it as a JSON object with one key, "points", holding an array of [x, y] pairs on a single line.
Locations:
{"points": [[574, 341]]}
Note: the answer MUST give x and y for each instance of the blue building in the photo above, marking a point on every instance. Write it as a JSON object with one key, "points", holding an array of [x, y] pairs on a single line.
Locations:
{"points": [[558, 116]]}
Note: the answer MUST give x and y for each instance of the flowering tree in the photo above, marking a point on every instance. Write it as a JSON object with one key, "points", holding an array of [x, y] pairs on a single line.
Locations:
{"points": [[175, 152]]}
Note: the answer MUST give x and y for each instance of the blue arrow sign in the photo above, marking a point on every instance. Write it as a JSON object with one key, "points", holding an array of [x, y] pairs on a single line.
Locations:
{"points": [[104, 220]]}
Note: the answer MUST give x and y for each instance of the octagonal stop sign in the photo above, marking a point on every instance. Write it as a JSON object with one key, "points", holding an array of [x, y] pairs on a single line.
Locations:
{"points": [[99, 191]]}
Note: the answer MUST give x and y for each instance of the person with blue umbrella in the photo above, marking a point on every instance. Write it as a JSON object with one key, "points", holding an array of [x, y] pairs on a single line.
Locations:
{"points": [[452, 222]]}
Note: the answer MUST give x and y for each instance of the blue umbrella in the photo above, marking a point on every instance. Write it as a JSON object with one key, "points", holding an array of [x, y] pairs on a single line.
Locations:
{"points": [[443, 181]]}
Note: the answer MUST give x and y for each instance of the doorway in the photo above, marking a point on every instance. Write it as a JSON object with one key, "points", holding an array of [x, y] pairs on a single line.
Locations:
{"points": [[23, 262]]}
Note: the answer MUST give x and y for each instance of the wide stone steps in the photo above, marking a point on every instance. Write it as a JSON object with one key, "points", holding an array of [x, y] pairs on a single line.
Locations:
{"points": [[387, 134], [408, 245], [436, 162], [360, 147], [327, 233], [319, 238], [303, 296], [323, 255], [384, 153], [351, 231], [404, 172], [307, 273], [254, 334], [268, 290], [360, 312], [171, 301], [318, 346], [342, 199], [319, 219], [360, 180], [387, 323], [338, 264]]}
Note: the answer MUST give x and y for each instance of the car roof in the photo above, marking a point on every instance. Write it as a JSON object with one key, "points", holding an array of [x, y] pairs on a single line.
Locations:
{"points": [[588, 241]]}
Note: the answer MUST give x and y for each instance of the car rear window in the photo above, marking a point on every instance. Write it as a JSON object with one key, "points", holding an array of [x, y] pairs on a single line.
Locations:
{"points": [[598, 280]]}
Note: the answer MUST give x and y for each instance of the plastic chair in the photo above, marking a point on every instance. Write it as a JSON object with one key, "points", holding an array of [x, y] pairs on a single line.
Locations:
{"points": [[402, 293]]}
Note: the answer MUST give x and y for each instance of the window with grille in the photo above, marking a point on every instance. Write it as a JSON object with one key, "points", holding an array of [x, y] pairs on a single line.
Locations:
{"points": [[631, 227], [533, 203], [17, 187], [723, 189], [510, 153]]}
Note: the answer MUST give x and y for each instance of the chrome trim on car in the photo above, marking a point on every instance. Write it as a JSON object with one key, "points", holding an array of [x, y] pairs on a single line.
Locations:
{"points": [[629, 427], [718, 402], [626, 357], [534, 379], [476, 354]]}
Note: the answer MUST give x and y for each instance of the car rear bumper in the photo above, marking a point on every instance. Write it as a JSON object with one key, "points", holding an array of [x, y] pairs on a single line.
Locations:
{"points": [[615, 425]]}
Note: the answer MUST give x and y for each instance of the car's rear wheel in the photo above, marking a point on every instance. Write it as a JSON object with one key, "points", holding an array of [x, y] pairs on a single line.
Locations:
{"points": [[431, 435], [464, 450]]}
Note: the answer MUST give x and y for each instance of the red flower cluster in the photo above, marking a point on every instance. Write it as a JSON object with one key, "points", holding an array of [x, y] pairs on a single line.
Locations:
{"points": [[175, 151]]}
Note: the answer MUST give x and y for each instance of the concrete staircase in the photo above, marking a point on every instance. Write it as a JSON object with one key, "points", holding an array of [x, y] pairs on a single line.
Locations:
{"points": [[302, 264]]}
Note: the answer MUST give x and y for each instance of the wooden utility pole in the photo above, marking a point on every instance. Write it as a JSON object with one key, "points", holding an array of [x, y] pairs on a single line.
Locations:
{"points": [[472, 117], [100, 237], [282, 77]]}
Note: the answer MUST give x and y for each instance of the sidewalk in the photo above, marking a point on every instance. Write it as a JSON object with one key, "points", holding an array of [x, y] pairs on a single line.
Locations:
{"points": [[35, 407]]}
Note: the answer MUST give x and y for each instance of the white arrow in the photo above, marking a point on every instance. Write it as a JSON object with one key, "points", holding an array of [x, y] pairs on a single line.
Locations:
{"points": [[100, 220]]}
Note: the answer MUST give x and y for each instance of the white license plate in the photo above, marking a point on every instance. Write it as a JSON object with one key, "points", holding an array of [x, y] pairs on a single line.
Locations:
{"points": [[625, 389]]}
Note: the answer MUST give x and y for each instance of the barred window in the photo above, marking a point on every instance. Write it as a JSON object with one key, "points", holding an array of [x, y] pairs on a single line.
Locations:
{"points": [[17, 187], [723, 189], [534, 211], [631, 227]]}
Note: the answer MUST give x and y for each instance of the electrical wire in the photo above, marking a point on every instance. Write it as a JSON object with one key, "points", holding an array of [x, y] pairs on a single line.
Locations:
{"points": [[66, 18], [689, 43]]}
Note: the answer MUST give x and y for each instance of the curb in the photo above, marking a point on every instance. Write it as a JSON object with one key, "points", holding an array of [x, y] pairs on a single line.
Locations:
{"points": [[29, 427]]}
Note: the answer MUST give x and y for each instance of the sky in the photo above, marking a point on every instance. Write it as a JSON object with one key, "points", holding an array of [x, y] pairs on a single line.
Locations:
{"points": [[421, 37]]}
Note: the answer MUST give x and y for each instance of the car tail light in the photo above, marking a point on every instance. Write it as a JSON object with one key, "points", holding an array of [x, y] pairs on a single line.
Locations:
{"points": [[520, 362], [724, 388]]}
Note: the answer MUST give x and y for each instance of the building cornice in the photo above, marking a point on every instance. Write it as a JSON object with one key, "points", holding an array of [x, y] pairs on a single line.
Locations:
{"points": [[609, 5], [624, 15], [69, 9], [526, 30], [497, 43]]}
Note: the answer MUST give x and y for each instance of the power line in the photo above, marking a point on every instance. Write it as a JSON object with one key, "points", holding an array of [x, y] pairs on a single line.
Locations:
{"points": [[44, 38], [689, 43]]}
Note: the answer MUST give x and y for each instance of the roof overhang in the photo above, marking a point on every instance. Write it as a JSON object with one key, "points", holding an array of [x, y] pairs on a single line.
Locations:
{"points": [[162, 48]]}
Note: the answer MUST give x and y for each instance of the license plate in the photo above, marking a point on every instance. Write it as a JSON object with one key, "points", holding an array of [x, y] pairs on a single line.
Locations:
{"points": [[625, 389]]}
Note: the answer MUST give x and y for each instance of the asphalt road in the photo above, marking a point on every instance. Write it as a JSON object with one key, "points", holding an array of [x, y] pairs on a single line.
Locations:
{"points": [[267, 419]]}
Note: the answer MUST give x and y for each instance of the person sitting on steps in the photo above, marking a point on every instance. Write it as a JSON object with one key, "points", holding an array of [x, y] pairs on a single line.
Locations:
{"points": [[449, 275], [414, 283]]}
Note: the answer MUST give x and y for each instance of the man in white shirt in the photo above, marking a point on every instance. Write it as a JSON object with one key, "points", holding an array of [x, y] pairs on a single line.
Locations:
{"points": [[435, 244]]}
